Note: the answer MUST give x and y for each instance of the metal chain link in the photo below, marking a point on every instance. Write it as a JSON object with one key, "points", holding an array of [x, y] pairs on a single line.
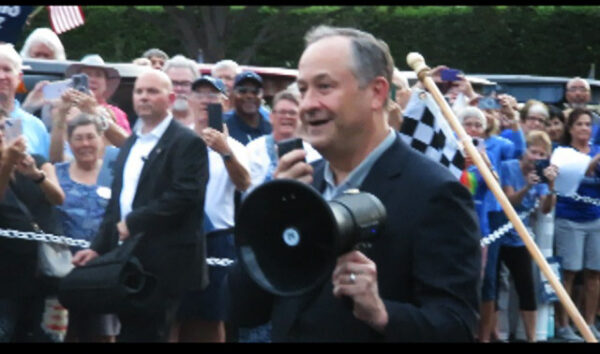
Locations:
{"points": [[582, 198], [43, 237], [504, 229], [219, 262]]}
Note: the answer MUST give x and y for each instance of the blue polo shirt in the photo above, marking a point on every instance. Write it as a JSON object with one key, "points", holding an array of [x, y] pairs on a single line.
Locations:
{"points": [[241, 131], [34, 131]]}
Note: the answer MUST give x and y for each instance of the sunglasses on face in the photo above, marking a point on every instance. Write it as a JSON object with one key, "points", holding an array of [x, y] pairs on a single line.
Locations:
{"points": [[244, 90]]}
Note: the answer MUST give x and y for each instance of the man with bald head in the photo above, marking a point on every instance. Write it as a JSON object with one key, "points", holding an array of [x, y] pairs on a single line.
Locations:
{"points": [[418, 281], [578, 94], [158, 193]]}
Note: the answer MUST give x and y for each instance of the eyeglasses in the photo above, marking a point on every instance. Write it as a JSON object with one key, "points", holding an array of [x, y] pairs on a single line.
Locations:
{"points": [[538, 119], [201, 95], [244, 90], [574, 89], [182, 83], [284, 112], [473, 125]]}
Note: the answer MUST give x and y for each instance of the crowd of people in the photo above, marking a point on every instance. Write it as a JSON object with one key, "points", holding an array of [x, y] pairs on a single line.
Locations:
{"points": [[79, 167]]}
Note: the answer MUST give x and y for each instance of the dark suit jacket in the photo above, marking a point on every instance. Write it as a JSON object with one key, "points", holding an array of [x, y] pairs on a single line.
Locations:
{"points": [[167, 209], [427, 255]]}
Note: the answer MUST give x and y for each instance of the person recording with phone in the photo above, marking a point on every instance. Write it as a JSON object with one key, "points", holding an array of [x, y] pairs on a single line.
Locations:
{"points": [[202, 314], [34, 131], [263, 152], [408, 286], [524, 182], [29, 190], [103, 82]]}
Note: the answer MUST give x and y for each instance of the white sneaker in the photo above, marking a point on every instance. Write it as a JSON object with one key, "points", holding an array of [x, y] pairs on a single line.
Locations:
{"points": [[567, 334]]}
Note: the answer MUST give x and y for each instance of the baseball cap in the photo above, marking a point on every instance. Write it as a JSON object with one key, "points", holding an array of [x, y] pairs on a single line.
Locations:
{"points": [[209, 80], [248, 75]]}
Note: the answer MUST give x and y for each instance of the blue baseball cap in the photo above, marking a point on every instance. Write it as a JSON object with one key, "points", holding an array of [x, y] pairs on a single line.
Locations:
{"points": [[248, 75], [211, 81]]}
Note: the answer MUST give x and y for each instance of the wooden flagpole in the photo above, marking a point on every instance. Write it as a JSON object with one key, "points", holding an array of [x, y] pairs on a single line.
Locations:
{"points": [[417, 63]]}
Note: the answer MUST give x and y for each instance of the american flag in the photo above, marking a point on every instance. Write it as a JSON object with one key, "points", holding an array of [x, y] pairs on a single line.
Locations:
{"points": [[425, 129], [65, 18]]}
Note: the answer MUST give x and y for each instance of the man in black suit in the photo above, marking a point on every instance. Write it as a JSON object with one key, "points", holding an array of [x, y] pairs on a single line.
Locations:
{"points": [[158, 191], [419, 280]]}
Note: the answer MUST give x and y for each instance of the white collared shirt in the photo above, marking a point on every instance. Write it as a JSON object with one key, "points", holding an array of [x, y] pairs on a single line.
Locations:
{"points": [[135, 162]]}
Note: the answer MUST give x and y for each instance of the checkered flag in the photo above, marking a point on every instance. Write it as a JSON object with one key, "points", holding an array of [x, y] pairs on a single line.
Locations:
{"points": [[425, 129]]}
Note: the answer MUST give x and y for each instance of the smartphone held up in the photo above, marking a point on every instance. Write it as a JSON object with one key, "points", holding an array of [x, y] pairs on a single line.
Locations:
{"points": [[55, 89], [285, 146], [13, 128], [540, 166]]}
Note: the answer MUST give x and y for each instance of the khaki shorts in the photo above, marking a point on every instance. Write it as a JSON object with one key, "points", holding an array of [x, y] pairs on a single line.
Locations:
{"points": [[577, 244]]}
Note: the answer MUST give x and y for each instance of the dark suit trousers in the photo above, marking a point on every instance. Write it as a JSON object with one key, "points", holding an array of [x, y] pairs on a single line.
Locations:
{"points": [[149, 327]]}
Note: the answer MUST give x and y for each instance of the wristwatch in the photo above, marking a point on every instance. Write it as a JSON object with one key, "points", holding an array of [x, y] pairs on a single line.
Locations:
{"points": [[226, 157]]}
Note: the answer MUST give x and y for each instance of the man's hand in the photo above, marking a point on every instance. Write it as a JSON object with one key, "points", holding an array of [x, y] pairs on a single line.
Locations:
{"points": [[28, 168], [216, 140], [293, 166], [464, 86], [35, 99], [355, 276], [82, 257], [123, 230], [507, 103], [15, 151]]}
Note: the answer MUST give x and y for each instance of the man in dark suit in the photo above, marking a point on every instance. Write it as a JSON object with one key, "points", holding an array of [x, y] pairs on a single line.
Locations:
{"points": [[158, 192], [419, 280]]}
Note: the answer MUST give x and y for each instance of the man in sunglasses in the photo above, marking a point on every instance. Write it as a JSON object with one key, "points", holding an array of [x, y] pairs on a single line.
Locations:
{"points": [[245, 122]]}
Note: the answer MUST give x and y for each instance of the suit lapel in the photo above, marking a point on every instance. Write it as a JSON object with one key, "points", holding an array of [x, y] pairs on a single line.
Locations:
{"points": [[158, 150], [388, 166]]}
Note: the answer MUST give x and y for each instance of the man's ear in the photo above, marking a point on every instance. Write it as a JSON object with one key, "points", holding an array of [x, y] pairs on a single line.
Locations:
{"points": [[171, 97], [380, 88]]}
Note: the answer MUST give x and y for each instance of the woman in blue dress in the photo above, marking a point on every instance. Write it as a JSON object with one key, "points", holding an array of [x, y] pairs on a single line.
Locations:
{"points": [[83, 210]]}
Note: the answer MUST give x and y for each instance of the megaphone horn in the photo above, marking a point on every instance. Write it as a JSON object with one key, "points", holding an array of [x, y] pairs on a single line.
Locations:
{"points": [[288, 237]]}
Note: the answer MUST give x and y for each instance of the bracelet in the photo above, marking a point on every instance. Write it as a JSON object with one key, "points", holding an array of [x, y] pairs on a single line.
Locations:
{"points": [[41, 179]]}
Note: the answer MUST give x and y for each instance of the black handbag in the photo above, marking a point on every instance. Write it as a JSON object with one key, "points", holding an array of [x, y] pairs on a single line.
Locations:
{"points": [[114, 282]]}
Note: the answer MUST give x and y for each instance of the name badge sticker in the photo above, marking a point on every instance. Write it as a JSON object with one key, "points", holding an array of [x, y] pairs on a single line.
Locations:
{"points": [[104, 192]]}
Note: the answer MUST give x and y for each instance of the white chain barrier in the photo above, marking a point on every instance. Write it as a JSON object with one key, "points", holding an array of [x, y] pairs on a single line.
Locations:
{"points": [[226, 262], [43, 237], [63, 240], [502, 230]]}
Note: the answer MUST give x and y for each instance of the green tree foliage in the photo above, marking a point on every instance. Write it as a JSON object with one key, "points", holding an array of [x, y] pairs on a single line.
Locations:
{"points": [[543, 40]]}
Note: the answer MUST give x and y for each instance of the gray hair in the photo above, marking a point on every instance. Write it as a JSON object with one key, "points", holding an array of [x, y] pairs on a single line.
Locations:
{"points": [[287, 94], [577, 78], [83, 119], [370, 56], [155, 52], [46, 37], [472, 112], [8, 52], [226, 64], [179, 61]]}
